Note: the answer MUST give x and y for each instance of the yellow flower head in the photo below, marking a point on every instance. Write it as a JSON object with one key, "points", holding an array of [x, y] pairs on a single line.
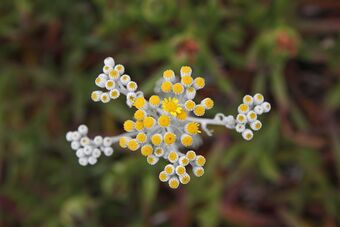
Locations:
{"points": [[171, 106]]}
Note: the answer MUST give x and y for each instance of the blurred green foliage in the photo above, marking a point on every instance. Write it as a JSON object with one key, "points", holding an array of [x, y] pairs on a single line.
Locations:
{"points": [[288, 175]]}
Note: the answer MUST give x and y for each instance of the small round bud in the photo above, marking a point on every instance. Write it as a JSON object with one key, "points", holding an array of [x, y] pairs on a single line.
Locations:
{"points": [[98, 140], [125, 79], [258, 99], [108, 151], [92, 160], [240, 128], [84, 141], [75, 145], [258, 110], [96, 153], [83, 130], [109, 61], [107, 141], [83, 161], [80, 153], [247, 134], [69, 136], [266, 107], [76, 136], [88, 150], [256, 125], [105, 98]]}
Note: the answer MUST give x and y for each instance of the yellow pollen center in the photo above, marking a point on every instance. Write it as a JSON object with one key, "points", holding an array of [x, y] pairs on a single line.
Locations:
{"points": [[171, 106]]}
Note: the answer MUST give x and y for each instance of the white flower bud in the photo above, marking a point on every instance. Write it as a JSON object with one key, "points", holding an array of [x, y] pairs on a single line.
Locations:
{"points": [[101, 80], [107, 141], [84, 141], [82, 129], [251, 116], [96, 153], [120, 68], [190, 93], [76, 136], [69, 136], [105, 98], [258, 109], [240, 128], [132, 86], [98, 140], [80, 153], [92, 160], [258, 99], [109, 61], [247, 134], [88, 150], [266, 107], [83, 161], [75, 145], [256, 125], [107, 69], [108, 151], [125, 79]]}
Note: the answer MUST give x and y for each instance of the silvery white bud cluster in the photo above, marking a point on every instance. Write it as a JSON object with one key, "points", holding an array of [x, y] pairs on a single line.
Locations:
{"points": [[114, 82], [87, 150]]}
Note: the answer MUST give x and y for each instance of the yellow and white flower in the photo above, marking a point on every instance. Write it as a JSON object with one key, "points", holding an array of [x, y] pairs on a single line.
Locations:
{"points": [[165, 124]]}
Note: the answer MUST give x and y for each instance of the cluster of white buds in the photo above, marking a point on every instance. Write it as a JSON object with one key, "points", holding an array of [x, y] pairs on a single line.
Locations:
{"points": [[248, 113], [166, 123], [87, 150], [115, 82]]}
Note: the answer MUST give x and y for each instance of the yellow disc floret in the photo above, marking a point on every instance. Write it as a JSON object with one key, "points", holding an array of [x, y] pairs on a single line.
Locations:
{"points": [[154, 100], [185, 178], [169, 138], [166, 86], [149, 122], [133, 145], [163, 176], [191, 155], [199, 82], [174, 183], [182, 116], [146, 150], [200, 160], [186, 140], [114, 74], [168, 74], [141, 137], [243, 108], [123, 142], [199, 110], [208, 103], [187, 81], [189, 105], [192, 128], [180, 170], [178, 88], [171, 106], [173, 156], [139, 125], [169, 169], [129, 125], [139, 115], [139, 102], [186, 71], [156, 139], [164, 121]]}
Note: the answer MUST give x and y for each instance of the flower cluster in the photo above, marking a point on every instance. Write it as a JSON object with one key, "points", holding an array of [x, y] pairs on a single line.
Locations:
{"points": [[166, 125], [87, 150]]}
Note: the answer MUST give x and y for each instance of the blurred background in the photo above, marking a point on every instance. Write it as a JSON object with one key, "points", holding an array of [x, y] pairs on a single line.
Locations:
{"points": [[51, 52]]}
